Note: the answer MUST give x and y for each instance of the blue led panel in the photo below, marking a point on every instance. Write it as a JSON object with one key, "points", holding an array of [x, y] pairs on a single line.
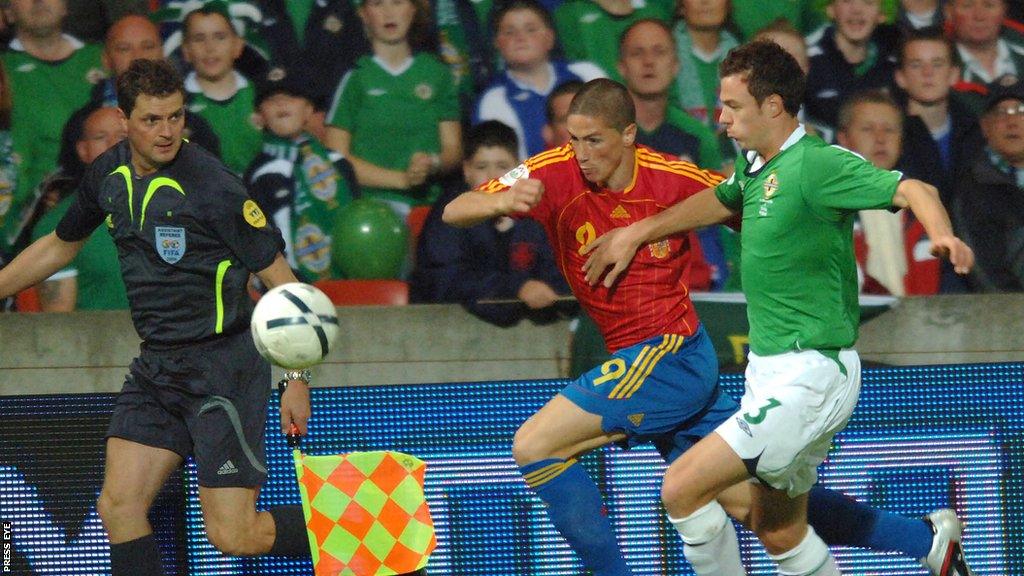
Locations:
{"points": [[51, 471], [921, 438]]}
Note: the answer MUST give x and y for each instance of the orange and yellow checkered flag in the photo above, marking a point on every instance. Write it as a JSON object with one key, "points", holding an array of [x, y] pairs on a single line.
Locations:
{"points": [[366, 514]]}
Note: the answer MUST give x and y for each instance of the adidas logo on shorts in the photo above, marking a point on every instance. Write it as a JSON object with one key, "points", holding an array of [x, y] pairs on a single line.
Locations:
{"points": [[227, 468]]}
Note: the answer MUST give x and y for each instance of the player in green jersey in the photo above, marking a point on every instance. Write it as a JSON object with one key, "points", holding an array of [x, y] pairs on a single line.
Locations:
{"points": [[798, 197]]}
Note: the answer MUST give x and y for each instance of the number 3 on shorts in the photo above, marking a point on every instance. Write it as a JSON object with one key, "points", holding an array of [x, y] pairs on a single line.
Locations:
{"points": [[762, 413]]}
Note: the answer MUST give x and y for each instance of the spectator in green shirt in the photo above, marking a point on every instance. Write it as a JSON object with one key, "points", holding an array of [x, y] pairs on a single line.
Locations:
{"points": [[51, 75], [751, 16], [702, 41], [396, 116], [216, 91], [93, 280], [590, 29]]}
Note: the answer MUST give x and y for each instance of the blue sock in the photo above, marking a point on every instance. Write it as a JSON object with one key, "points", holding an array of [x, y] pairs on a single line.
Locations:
{"points": [[841, 520], [574, 506]]}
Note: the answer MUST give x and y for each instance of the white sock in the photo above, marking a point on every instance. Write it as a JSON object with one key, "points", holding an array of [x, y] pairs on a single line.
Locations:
{"points": [[709, 542], [811, 557]]}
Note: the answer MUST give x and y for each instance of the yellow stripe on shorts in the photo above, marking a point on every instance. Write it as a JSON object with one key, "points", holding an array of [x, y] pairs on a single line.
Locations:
{"points": [[629, 386], [547, 473], [637, 362]]}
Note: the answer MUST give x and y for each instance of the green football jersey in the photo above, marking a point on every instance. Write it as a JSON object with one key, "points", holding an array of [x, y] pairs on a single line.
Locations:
{"points": [[588, 32], [799, 272], [97, 268], [393, 113], [231, 120], [44, 95]]}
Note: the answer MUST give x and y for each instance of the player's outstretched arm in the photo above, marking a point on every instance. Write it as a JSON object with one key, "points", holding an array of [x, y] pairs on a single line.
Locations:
{"points": [[37, 263], [616, 248], [923, 200], [470, 208]]}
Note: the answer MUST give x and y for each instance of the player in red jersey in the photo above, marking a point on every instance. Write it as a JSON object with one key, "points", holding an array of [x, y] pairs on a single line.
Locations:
{"points": [[654, 300], [660, 384]]}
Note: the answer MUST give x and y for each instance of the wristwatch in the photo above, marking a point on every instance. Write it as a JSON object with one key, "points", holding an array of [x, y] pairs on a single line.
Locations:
{"points": [[304, 375]]}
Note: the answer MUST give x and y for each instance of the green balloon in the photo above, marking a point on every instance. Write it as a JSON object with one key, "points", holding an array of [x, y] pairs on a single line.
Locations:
{"points": [[370, 241]]}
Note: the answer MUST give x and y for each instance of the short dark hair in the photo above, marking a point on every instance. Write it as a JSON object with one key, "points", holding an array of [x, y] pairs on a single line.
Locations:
{"points": [[215, 8], [491, 134], [534, 6], [870, 96], [605, 99], [156, 78], [568, 87], [767, 69], [927, 34]]}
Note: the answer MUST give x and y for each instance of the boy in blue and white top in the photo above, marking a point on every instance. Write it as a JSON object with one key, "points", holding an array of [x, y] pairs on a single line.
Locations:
{"points": [[525, 36]]}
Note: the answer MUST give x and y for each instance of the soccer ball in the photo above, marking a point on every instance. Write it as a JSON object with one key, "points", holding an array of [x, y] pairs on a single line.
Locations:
{"points": [[294, 325]]}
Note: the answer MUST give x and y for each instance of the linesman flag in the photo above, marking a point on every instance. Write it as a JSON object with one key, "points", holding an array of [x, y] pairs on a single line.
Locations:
{"points": [[366, 514]]}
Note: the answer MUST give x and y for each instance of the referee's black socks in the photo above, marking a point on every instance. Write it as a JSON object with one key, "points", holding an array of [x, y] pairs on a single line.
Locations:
{"points": [[139, 557], [290, 532]]}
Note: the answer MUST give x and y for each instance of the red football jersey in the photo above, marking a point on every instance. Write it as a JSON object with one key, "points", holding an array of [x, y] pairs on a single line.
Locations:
{"points": [[651, 297]]}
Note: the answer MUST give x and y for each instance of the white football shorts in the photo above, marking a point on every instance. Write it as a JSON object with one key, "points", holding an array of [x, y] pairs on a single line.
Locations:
{"points": [[794, 404]]}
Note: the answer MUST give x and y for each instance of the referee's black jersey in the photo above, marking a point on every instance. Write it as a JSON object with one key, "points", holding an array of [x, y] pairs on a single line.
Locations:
{"points": [[187, 237]]}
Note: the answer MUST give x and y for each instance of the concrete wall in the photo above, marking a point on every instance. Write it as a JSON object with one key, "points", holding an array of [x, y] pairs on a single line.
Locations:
{"points": [[956, 329], [90, 351]]}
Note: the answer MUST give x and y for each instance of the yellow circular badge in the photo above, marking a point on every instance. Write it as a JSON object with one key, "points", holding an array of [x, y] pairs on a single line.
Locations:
{"points": [[253, 215]]}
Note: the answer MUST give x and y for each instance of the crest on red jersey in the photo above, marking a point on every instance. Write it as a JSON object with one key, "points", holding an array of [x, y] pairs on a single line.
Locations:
{"points": [[660, 249]]}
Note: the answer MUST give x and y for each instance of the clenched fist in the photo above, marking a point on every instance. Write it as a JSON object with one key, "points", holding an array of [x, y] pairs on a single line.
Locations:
{"points": [[522, 196]]}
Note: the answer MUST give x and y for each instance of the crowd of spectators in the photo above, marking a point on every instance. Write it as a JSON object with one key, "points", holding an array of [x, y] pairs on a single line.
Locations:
{"points": [[315, 103]]}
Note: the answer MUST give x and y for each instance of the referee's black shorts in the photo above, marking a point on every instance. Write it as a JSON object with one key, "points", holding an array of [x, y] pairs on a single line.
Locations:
{"points": [[208, 400]]}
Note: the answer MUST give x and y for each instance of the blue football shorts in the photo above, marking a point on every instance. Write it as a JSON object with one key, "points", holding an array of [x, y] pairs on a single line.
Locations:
{"points": [[663, 390]]}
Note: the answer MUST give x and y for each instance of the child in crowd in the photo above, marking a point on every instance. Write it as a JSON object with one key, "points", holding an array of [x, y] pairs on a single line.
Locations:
{"points": [[296, 180], [525, 36], [501, 259], [396, 115], [216, 91], [856, 53]]}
